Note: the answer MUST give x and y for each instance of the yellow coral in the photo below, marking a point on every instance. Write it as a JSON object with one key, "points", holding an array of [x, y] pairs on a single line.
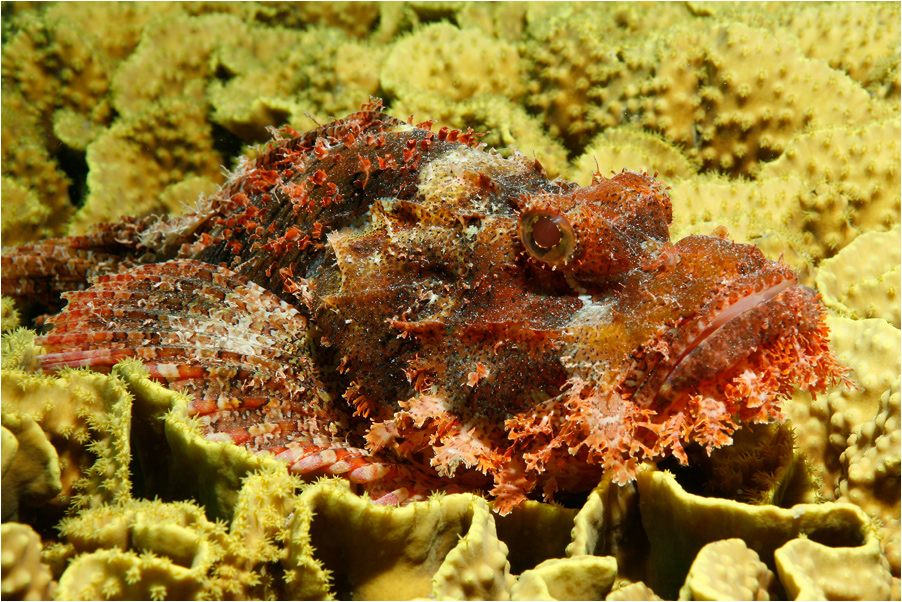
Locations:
{"points": [[828, 425], [117, 575], [31, 470], [211, 471], [32, 181], [705, 203], [679, 524], [287, 74], [608, 70], [884, 81], [333, 533], [476, 568], [172, 60], [176, 531], [86, 416], [25, 577], [457, 64], [853, 176], [575, 63], [633, 591], [850, 37], [605, 522], [133, 163], [760, 467], [810, 570], [701, 94], [535, 532], [186, 547], [630, 148], [862, 280], [727, 570], [574, 578], [59, 65], [502, 122], [504, 20], [872, 349], [871, 470], [10, 319], [355, 18], [19, 351]]}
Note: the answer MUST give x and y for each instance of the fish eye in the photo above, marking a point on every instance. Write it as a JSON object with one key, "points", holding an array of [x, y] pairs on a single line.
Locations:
{"points": [[546, 235]]}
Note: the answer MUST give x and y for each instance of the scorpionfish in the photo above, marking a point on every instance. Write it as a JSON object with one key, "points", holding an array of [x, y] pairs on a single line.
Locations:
{"points": [[412, 311]]}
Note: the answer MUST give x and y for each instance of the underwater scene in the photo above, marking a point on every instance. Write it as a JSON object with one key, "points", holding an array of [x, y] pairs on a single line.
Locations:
{"points": [[451, 300]]}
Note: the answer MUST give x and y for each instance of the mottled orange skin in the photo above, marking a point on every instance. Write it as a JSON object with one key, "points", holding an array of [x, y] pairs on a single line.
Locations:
{"points": [[473, 324]]}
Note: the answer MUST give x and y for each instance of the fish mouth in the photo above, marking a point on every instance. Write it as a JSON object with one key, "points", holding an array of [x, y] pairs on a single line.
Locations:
{"points": [[707, 352]]}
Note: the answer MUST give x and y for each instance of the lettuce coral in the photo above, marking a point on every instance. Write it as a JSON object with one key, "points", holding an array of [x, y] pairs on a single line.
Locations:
{"points": [[679, 524], [447, 546], [810, 570]]}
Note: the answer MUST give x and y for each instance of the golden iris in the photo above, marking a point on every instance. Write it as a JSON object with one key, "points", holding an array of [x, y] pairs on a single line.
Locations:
{"points": [[546, 235]]}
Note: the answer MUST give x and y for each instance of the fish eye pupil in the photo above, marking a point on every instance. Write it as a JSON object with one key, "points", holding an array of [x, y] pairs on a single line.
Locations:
{"points": [[546, 233]]}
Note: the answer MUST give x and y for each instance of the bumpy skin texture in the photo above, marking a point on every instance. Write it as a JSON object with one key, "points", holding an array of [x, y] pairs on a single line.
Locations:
{"points": [[378, 300]]}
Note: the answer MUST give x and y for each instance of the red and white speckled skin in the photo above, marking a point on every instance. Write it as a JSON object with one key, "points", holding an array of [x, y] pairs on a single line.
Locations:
{"points": [[402, 307]]}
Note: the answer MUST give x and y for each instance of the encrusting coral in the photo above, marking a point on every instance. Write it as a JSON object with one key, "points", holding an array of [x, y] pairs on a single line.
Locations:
{"points": [[459, 64], [25, 577], [574, 62], [10, 315], [140, 156], [777, 125], [872, 349], [32, 180], [31, 470], [85, 417], [848, 38], [862, 280], [853, 180], [501, 122], [727, 570], [575, 578], [629, 146], [871, 471]]}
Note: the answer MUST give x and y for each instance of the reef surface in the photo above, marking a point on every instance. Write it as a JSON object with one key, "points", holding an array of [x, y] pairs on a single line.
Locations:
{"points": [[779, 123]]}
